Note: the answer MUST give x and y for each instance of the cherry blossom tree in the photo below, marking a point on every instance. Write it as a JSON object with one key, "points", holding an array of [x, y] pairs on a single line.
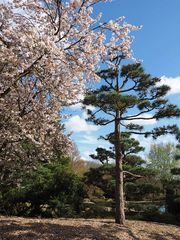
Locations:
{"points": [[49, 50]]}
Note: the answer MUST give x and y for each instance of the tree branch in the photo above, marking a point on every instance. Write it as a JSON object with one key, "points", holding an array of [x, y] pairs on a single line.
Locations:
{"points": [[132, 174], [24, 73], [110, 84], [127, 90], [136, 115], [104, 124]]}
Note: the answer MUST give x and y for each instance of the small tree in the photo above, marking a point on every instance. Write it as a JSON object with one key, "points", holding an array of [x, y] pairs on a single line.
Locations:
{"points": [[136, 174], [126, 96], [162, 159], [103, 155]]}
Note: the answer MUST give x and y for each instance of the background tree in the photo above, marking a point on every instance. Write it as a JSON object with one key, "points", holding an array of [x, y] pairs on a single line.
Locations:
{"points": [[125, 96], [162, 159]]}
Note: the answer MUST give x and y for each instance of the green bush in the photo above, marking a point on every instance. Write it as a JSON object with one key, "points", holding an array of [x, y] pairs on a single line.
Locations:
{"points": [[53, 190], [100, 208]]}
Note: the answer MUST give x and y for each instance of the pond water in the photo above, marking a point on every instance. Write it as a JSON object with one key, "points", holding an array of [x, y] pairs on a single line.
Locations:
{"points": [[162, 209]]}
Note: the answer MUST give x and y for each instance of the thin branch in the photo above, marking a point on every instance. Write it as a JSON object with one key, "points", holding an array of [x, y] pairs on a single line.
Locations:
{"points": [[140, 133], [123, 125], [132, 88], [110, 84], [104, 124], [96, 112], [73, 44], [132, 174], [59, 10], [139, 118], [136, 115], [124, 82], [24, 73], [71, 26], [111, 114]]}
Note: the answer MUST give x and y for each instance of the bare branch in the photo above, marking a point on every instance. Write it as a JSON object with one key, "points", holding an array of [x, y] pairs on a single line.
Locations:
{"points": [[132, 174]]}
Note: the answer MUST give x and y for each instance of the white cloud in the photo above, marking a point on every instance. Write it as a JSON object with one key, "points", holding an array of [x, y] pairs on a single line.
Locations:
{"points": [[76, 106], [85, 114], [141, 121], [88, 139], [172, 82], [78, 124], [85, 155], [90, 107], [93, 140], [144, 142]]}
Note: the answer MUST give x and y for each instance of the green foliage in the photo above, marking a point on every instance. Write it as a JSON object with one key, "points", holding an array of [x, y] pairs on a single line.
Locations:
{"points": [[175, 171], [100, 208], [142, 207], [162, 159], [172, 201], [129, 145], [102, 177], [134, 160], [51, 190], [103, 155], [139, 190]]}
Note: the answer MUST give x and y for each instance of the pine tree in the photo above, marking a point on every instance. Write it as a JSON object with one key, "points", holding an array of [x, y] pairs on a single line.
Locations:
{"points": [[126, 96]]}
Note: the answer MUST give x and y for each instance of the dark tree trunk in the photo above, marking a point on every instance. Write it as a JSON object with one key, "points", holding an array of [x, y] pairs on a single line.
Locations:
{"points": [[119, 192]]}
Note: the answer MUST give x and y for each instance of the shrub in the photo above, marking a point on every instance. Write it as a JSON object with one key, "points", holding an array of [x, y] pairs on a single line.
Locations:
{"points": [[51, 190]]}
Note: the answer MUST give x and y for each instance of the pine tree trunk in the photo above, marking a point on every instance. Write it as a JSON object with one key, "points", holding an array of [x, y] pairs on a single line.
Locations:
{"points": [[119, 192]]}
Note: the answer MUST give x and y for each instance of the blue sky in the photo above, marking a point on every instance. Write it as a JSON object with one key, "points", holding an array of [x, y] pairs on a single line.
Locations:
{"points": [[157, 44]]}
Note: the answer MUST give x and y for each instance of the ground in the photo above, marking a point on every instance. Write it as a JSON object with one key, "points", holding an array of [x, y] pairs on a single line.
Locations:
{"points": [[14, 228]]}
